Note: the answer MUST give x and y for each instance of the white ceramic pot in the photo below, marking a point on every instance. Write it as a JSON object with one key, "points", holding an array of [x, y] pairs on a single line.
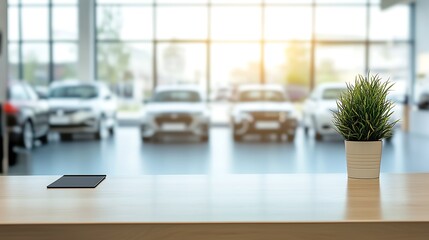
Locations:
{"points": [[363, 159]]}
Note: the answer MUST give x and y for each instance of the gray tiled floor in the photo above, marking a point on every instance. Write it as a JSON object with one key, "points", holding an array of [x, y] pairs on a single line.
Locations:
{"points": [[125, 154]]}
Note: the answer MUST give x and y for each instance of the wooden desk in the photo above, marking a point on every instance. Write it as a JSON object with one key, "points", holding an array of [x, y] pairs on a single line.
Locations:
{"points": [[324, 206]]}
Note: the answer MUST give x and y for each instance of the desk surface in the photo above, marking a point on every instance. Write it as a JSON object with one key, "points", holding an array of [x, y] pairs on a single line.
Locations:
{"points": [[218, 199]]}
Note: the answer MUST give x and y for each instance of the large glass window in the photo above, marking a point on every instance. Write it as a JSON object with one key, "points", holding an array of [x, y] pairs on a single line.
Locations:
{"points": [[236, 23], [181, 64], [124, 22], [124, 47], [13, 61], [222, 43], [36, 60], [35, 23], [286, 23], [43, 40], [341, 22], [234, 63], [65, 60], [390, 60], [390, 24], [126, 67], [289, 64], [339, 63], [13, 23], [181, 22]]}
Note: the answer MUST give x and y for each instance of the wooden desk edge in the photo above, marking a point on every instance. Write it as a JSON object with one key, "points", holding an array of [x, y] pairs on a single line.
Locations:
{"points": [[221, 231]]}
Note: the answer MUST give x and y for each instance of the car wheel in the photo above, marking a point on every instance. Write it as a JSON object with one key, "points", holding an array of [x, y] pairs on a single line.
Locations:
{"points": [[389, 139], [66, 136], [101, 127], [27, 136], [306, 130], [238, 138], [290, 137], [12, 155], [318, 136], [147, 139], [112, 131], [45, 138], [204, 138]]}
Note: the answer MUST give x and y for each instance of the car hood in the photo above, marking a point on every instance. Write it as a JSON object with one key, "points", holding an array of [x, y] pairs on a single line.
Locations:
{"points": [[70, 103], [327, 105], [155, 108], [264, 107]]}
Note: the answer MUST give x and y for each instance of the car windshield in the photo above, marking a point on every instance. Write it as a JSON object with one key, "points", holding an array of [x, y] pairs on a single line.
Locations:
{"points": [[85, 92], [261, 96], [177, 96], [17, 92], [332, 93]]}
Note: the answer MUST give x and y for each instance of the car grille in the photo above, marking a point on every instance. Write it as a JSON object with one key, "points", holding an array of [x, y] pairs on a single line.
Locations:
{"points": [[174, 118], [64, 111], [265, 115]]}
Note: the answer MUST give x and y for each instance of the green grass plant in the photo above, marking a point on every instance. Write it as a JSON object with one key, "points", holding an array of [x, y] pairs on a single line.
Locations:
{"points": [[364, 110]]}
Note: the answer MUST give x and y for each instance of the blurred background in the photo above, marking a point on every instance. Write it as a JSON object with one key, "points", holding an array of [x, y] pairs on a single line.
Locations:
{"points": [[206, 86]]}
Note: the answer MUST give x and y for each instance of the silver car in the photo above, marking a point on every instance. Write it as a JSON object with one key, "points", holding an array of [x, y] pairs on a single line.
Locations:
{"points": [[263, 110], [81, 107], [176, 110]]}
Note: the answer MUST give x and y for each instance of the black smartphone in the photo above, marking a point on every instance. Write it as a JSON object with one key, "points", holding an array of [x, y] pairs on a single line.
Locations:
{"points": [[78, 181]]}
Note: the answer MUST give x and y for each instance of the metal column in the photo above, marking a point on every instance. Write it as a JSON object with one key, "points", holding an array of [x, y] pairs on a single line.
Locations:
{"points": [[3, 81], [87, 51]]}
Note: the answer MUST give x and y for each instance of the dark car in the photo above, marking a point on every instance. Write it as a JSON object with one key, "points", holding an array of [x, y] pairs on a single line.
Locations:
{"points": [[27, 116]]}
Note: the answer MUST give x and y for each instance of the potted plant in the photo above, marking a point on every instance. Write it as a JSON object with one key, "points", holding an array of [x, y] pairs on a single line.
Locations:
{"points": [[364, 120]]}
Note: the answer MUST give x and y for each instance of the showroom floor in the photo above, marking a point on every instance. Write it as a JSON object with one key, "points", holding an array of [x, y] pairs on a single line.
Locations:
{"points": [[125, 154]]}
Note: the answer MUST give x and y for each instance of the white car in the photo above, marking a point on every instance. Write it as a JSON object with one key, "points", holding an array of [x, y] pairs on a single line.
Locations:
{"points": [[263, 110], [176, 110], [422, 94], [318, 109], [81, 107]]}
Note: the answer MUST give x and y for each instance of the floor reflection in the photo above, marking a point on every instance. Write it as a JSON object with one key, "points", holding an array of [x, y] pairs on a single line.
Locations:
{"points": [[363, 199], [125, 154]]}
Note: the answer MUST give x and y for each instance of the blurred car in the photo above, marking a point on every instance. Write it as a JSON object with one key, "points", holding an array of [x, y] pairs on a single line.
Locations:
{"points": [[422, 93], [81, 107], [318, 109], [27, 116], [42, 92], [263, 109], [423, 102], [398, 95], [176, 110]]}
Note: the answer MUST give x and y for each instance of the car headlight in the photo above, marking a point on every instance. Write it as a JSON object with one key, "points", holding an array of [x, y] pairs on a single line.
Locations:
{"points": [[147, 116], [243, 116]]}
